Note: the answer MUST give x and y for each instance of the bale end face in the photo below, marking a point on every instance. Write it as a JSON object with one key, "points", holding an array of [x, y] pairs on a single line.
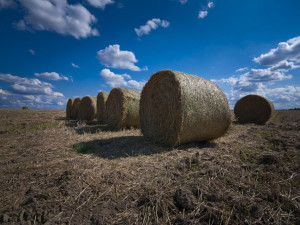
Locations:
{"points": [[253, 109], [88, 108], [69, 108], [101, 100], [75, 109]]}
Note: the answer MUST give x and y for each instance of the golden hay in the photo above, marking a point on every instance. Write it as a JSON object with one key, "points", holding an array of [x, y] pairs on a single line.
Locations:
{"points": [[69, 108], [75, 109], [177, 108], [122, 108], [253, 109], [101, 100], [88, 108]]}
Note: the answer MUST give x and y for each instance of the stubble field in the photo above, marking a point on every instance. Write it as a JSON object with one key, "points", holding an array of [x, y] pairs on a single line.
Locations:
{"points": [[58, 171]]}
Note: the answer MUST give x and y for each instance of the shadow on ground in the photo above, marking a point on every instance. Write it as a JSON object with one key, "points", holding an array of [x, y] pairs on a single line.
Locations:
{"points": [[129, 146]]}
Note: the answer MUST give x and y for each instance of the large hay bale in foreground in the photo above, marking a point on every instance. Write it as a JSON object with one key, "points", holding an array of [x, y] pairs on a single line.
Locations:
{"points": [[69, 108], [101, 100], [253, 109], [122, 108], [88, 108], [75, 109], [177, 108]]}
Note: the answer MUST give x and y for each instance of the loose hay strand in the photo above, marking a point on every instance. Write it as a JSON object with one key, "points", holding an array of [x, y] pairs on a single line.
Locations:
{"points": [[254, 109], [101, 100], [122, 108], [177, 108], [88, 108]]}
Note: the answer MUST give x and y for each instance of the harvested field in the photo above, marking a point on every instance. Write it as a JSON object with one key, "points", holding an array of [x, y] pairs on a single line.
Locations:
{"points": [[57, 171]]}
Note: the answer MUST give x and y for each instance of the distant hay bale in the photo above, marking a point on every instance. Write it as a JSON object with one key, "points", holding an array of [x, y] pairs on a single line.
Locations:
{"points": [[253, 109], [88, 108], [101, 100], [25, 108], [122, 108], [75, 109], [178, 108], [69, 108]]}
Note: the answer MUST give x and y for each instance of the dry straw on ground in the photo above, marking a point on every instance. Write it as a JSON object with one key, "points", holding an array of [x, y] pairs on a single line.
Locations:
{"points": [[122, 108], [75, 109], [253, 109], [101, 100], [177, 108], [69, 108], [88, 108]]}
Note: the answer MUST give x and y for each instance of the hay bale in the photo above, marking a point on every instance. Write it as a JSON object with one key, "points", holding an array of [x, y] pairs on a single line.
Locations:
{"points": [[75, 109], [69, 108], [25, 108], [88, 108], [177, 108], [122, 108], [253, 109], [101, 100]]}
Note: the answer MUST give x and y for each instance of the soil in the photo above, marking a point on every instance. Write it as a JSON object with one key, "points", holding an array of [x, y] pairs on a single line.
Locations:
{"points": [[59, 171]]}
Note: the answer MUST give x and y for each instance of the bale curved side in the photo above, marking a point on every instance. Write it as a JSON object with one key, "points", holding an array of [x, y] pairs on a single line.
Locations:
{"points": [[253, 109], [75, 109], [69, 108], [88, 108], [101, 100], [177, 108], [122, 108]]}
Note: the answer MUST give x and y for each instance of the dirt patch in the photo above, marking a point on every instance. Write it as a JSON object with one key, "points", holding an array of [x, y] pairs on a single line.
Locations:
{"points": [[59, 171]]}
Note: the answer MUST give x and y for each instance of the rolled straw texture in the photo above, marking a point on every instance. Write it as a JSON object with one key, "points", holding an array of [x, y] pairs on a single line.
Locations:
{"points": [[88, 108], [101, 100], [69, 108], [122, 108], [75, 109], [253, 109], [178, 108]]}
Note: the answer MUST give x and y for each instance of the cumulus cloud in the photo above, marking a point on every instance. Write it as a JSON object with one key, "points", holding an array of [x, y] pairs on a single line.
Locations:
{"points": [[51, 76], [202, 14], [113, 57], [74, 65], [30, 92], [151, 25], [32, 51], [100, 3], [289, 50], [210, 4], [241, 69], [284, 66], [120, 80], [58, 16], [4, 4]]}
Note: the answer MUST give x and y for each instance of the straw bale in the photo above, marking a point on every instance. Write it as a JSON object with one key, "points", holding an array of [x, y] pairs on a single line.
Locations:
{"points": [[101, 100], [253, 109], [75, 109], [88, 108], [178, 108], [69, 108], [122, 108]]}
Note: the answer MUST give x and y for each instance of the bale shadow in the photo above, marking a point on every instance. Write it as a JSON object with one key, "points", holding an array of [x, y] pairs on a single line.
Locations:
{"points": [[130, 146]]}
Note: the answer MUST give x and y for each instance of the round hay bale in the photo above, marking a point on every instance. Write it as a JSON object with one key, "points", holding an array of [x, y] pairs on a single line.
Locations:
{"points": [[88, 108], [253, 109], [101, 100], [25, 107], [178, 108], [122, 108], [69, 108], [75, 109]]}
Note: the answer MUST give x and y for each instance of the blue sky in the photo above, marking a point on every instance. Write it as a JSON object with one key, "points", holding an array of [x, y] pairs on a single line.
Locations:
{"points": [[52, 50]]}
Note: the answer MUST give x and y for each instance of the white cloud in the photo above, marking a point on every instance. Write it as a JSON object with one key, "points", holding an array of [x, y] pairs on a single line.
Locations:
{"points": [[113, 57], [119, 80], [74, 65], [241, 69], [100, 3], [51, 76], [210, 4], [32, 51], [4, 4], [151, 25], [284, 66], [289, 50], [58, 16], [30, 92], [202, 14]]}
